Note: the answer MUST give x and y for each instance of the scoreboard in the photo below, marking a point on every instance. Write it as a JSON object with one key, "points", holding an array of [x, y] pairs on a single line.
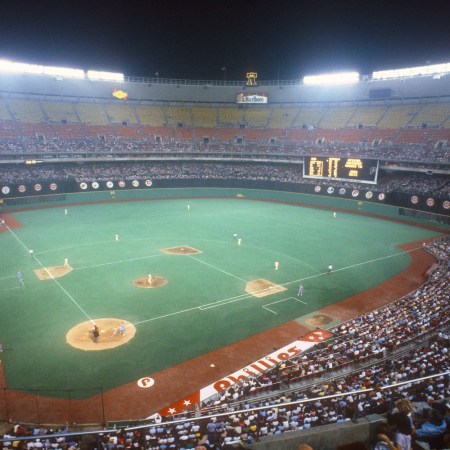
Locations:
{"points": [[337, 168]]}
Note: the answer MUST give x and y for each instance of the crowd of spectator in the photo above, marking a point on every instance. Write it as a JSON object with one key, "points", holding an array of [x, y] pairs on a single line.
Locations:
{"points": [[437, 186], [21, 148]]}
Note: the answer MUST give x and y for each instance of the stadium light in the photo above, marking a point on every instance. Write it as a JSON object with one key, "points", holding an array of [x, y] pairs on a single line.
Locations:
{"points": [[18, 67], [105, 76], [332, 78], [434, 69]]}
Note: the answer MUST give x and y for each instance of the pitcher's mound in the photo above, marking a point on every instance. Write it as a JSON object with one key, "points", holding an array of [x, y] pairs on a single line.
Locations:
{"points": [[80, 336], [261, 288], [182, 250], [156, 282], [52, 272]]}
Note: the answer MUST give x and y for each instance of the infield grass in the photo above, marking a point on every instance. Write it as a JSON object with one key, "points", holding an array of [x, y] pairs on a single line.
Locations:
{"points": [[204, 305]]}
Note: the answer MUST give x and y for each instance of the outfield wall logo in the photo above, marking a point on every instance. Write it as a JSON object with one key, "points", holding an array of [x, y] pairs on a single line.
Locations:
{"points": [[369, 195], [22, 188], [121, 184], [6, 190], [381, 197], [342, 191], [53, 186], [135, 183], [355, 193], [430, 201], [330, 190], [414, 199], [148, 183], [250, 371], [38, 187], [109, 184], [446, 205], [317, 188], [83, 186], [95, 185]]}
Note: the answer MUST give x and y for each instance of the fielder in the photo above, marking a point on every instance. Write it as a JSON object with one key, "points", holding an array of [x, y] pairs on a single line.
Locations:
{"points": [[149, 278], [300, 290], [20, 277], [276, 264], [66, 262]]}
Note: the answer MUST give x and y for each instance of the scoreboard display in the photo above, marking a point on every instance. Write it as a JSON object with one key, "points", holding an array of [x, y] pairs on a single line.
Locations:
{"points": [[337, 168]]}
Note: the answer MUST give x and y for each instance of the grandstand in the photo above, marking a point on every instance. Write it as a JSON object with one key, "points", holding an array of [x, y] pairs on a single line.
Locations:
{"points": [[70, 139]]}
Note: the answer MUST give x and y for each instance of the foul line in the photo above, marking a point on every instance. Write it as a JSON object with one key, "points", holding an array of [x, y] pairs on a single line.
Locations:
{"points": [[282, 300], [51, 276]]}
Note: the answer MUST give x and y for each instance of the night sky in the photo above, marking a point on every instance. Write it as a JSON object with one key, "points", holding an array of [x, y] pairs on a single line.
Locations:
{"points": [[196, 39]]}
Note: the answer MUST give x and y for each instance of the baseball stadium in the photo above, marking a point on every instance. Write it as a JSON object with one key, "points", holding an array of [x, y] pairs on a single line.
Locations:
{"points": [[250, 263]]}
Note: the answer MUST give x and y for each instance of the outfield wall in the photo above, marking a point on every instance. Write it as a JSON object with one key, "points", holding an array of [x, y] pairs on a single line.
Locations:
{"points": [[367, 201]]}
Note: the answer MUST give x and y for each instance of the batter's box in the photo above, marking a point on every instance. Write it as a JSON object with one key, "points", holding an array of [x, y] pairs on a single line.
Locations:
{"points": [[181, 250], [49, 273], [261, 288]]}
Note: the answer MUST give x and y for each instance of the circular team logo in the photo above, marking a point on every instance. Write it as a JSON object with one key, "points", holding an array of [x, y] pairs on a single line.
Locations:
{"points": [[22, 188], [414, 199], [330, 190], [109, 184], [95, 185], [37, 187], [381, 196], [148, 183], [355, 193], [53, 186], [121, 183], [342, 191], [369, 195], [83, 186], [145, 382], [135, 183], [446, 204], [317, 188], [430, 201], [6, 190]]}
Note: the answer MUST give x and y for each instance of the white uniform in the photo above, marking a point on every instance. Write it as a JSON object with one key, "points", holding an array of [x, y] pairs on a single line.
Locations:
{"points": [[66, 262], [276, 264], [149, 278], [239, 241]]}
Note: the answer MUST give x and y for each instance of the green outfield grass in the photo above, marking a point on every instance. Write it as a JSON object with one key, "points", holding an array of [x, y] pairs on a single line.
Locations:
{"points": [[203, 306]]}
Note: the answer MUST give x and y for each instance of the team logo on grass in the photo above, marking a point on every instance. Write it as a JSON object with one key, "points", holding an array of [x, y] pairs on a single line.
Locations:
{"points": [[414, 199], [6, 190], [22, 188], [430, 201], [83, 186], [37, 187]]}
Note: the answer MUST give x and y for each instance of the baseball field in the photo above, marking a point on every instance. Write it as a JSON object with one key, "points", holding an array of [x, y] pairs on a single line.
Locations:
{"points": [[169, 279]]}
